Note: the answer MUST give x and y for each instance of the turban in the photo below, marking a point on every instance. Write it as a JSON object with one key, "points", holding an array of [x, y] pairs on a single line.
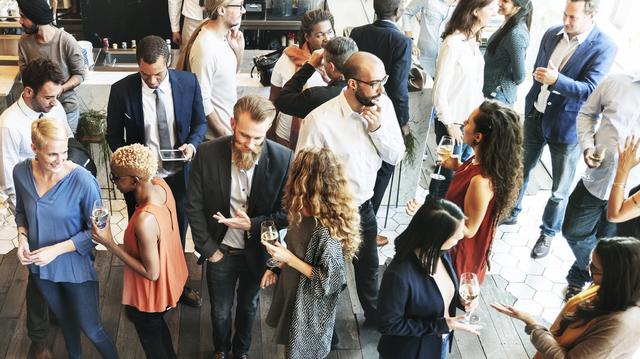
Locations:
{"points": [[37, 11]]}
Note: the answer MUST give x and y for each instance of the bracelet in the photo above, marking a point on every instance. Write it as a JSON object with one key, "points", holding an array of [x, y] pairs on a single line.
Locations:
{"points": [[618, 184], [23, 234]]}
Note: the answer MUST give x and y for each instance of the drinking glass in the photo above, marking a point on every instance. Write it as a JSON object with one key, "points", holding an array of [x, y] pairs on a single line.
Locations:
{"points": [[598, 155], [469, 290], [444, 151], [100, 213], [269, 234]]}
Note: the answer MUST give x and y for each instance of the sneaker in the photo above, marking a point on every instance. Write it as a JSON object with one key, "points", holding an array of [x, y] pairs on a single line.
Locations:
{"points": [[508, 221], [571, 291], [542, 246]]}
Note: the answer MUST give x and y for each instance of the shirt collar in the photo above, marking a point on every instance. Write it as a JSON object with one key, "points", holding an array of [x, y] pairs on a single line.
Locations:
{"points": [[30, 113], [164, 87], [344, 105], [582, 37]]}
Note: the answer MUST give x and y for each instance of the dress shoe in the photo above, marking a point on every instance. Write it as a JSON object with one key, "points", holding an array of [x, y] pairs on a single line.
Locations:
{"points": [[382, 240], [542, 246], [508, 221], [40, 350], [571, 291], [219, 355], [191, 297]]}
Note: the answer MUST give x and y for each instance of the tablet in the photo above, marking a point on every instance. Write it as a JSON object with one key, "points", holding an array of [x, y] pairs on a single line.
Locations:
{"points": [[172, 155]]}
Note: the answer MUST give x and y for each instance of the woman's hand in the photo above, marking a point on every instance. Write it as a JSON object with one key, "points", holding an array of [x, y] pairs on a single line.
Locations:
{"points": [[469, 306], [457, 323], [628, 155], [103, 236], [413, 206], [278, 252], [269, 278], [24, 255], [514, 313], [45, 255], [451, 163]]}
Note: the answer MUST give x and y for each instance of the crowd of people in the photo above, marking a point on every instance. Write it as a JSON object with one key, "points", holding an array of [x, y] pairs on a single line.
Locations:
{"points": [[315, 158]]}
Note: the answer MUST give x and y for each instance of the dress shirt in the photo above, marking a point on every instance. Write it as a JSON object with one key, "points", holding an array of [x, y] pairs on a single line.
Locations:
{"points": [[561, 54], [336, 126], [15, 139], [240, 191], [457, 89], [189, 8], [434, 15], [607, 118]]}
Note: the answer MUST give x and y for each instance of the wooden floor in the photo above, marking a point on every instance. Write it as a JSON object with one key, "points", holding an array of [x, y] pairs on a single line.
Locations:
{"points": [[191, 328]]}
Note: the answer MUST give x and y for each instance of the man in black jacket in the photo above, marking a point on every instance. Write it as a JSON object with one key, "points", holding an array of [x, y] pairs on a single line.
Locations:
{"points": [[295, 101], [384, 39]]}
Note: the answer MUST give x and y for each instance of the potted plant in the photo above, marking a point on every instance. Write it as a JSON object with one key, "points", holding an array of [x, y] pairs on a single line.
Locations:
{"points": [[92, 127]]}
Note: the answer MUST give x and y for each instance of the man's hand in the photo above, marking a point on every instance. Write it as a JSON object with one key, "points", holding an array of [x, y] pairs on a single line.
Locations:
{"points": [[588, 158], [455, 132], [546, 75], [240, 221], [236, 40], [415, 51], [176, 37], [187, 151], [216, 256], [269, 278], [315, 59], [372, 115], [406, 130]]}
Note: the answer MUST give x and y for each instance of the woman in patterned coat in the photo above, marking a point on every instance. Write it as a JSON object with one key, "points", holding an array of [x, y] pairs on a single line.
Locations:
{"points": [[324, 231]]}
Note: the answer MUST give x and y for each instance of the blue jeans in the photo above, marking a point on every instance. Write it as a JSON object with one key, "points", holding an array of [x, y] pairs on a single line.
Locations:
{"points": [[72, 118], [438, 189], [75, 305], [563, 168], [584, 223], [222, 278], [365, 265]]}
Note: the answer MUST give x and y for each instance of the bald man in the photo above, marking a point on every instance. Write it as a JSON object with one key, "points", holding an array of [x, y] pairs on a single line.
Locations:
{"points": [[361, 128]]}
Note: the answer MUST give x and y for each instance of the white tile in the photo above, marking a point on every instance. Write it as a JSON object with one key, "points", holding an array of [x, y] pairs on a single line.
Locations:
{"points": [[520, 290], [505, 259], [529, 306], [548, 299], [539, 283], [513, 275], [530, 266], [550, 314]]}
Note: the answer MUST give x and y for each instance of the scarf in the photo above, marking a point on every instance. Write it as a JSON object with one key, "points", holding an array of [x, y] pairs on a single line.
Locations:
{"points": [[298, 55]]}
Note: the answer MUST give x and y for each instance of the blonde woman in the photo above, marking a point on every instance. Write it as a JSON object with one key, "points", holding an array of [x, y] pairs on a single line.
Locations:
{"points": [[54, 199], [323, 233]]}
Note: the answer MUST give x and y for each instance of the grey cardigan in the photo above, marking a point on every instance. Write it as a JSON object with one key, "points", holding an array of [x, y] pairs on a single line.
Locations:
{"points": [[504, 70]]}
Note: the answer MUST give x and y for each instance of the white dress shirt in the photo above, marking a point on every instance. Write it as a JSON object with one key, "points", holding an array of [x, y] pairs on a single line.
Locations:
{"points": [[240, 191], [15, 139], [608, 116], [189, 8], [334, 125], [457, 89], [561, 54]]}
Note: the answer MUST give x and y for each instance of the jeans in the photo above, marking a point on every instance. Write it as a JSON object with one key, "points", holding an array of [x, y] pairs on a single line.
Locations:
{"points": [[438, 189], [75, 305], [72, 118], [584, 223], [37, 312], [365, 265], [382, 181], [445, 347], [153, 333], [563, 168], [222, 277]]}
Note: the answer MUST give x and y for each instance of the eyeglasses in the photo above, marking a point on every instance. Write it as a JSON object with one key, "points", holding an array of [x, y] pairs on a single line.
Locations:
{"points": [[375, 84], [241, 5], [115, 178]]}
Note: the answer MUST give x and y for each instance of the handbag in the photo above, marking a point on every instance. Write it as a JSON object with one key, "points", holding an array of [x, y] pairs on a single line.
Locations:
{"points": [[264, 65], [417, 78]]}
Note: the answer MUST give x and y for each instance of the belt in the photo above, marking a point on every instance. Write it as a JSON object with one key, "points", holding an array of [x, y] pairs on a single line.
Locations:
{"points": [[226, 250]]}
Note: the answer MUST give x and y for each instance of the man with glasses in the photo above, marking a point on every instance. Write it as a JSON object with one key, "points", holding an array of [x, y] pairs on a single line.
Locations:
{"points": [[361, 128], [385, 40], [214, 55], [162, 109]]}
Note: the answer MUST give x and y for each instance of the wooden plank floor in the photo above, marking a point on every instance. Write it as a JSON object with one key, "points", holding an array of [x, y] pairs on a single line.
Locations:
{"points": [[191, 327]]}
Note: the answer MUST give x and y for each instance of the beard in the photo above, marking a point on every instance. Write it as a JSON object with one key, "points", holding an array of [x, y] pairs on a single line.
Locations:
{"points": [[244, 160], [366, 100], [31, 29]]}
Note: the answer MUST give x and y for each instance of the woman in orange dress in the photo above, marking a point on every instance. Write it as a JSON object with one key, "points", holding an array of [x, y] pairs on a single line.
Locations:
{"points": [[155, 269]]}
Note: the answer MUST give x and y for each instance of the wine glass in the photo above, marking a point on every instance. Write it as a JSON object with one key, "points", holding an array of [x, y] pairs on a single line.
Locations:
{"points": [[598, 155], [269, 234], [469, 290], [444, 151], [100, 213]]}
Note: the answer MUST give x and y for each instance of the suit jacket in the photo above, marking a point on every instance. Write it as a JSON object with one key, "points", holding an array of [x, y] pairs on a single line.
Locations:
{"points": [[577, 79], [125, 117], [385, 40], [210, 192]]}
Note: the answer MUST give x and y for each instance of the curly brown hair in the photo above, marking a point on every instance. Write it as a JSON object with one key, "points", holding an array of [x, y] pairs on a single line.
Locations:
{"points": [[317, 183], [500, 153]]}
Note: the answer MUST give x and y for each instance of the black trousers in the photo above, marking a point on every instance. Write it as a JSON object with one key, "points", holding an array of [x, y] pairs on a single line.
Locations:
{"points": [[366, 264], [37, 312], [382, 181], [153, 333]]}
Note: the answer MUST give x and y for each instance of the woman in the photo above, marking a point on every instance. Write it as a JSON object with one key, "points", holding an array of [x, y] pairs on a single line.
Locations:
{"points": [[155, 269], [504, 66], [54, 200], [316, 29], [418, 295], [457, 89], [620, 209], [324, 232], [602, 321]]}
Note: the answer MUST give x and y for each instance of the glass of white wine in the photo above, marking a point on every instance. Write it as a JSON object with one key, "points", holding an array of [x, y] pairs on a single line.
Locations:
{"points": [[469, 291], [100, 213], [444, 151], [269, 234]]}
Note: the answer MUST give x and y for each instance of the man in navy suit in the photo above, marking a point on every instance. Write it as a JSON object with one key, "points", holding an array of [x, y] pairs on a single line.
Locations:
{"points": [[160, 108], [572, 60], [384, 39]]}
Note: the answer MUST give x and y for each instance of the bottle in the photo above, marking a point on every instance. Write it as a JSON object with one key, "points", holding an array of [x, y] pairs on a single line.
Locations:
{"points": [[123, 45], [169, 44], [133, 44]]}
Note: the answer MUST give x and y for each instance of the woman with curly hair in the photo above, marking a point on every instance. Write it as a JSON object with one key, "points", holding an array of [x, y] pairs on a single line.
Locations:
{"points": [[155, 269], [324, 232]]}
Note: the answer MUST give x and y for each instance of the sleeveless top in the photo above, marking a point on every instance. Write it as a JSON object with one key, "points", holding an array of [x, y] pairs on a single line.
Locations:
{"points": [[140, 292], [471, 254]]}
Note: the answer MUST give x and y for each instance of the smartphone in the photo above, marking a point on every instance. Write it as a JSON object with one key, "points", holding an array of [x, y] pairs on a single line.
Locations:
{"points": [[172, 155]]}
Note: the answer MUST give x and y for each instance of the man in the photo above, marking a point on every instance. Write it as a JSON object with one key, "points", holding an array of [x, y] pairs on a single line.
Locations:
{"points": [[385, 40], [193, 12], [298, 102], [162, 109], [214, 54], [237, 182], [604, 122], [572, 60], [360, 127], [42, 39], [42, 81]]}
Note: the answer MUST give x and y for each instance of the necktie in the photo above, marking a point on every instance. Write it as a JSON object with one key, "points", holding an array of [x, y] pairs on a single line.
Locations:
{"points": [[163, 129]]}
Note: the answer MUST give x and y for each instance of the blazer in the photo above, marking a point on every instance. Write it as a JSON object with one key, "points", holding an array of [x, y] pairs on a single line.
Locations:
{"points": [[577, 79], [125, 117], [411, 311], [210, 192], [387, 42]]}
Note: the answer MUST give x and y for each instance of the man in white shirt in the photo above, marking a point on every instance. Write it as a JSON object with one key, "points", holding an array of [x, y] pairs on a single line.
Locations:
{"points": [[193, 12], [361, 128], [42, 81], [215, 58], [605, 120]]}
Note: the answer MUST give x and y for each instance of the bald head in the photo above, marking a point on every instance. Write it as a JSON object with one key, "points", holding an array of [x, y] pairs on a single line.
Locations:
{"points": [[363, 66]]}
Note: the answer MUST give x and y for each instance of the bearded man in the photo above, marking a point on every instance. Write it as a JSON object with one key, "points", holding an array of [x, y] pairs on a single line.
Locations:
{"points": [[236, 183], [361, 128]]}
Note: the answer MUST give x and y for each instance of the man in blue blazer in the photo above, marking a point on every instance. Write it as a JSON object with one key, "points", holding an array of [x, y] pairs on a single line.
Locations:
{"points": [[160, 108], [572, 60]]}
